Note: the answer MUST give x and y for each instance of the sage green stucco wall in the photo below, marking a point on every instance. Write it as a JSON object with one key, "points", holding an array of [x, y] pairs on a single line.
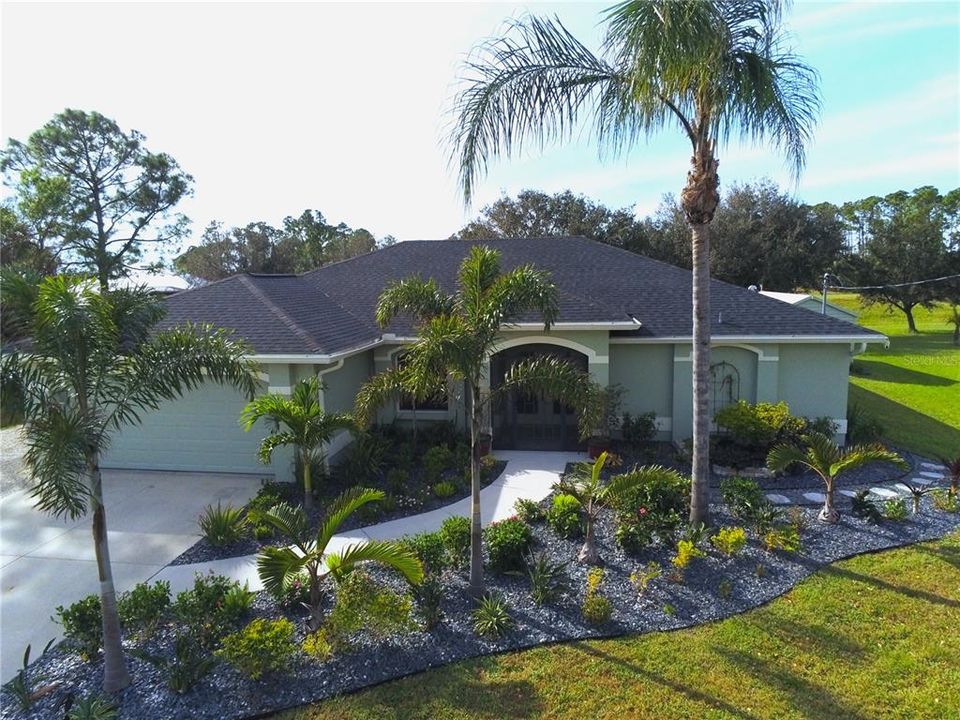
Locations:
{"points": [[814, 381], [342, 382], [646, 374]]}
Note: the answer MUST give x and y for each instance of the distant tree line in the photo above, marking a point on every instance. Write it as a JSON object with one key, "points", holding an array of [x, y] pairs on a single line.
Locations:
{"points": [[763, 236]]}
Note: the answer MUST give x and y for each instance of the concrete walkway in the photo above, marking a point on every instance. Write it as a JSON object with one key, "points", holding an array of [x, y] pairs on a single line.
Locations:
{"points": [[528, 475], [46, 561]]}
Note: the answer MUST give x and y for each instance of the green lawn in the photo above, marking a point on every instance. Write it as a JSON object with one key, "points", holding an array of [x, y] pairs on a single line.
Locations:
{"points": [[912, 387], [871, 637]]}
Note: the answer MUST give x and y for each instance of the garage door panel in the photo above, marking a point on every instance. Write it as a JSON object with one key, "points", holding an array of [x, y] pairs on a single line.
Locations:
{"points": [[199, 432]]}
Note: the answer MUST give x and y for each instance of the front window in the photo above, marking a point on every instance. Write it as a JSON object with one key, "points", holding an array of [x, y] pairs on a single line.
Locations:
{"points": [[438, 401]]}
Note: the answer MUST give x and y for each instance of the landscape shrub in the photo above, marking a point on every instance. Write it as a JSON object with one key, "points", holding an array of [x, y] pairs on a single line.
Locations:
{"points": [[429, 597], [398, 481], [862, 427], [659, 503], [487, 465], [596, 608], [429, 548], [364, 604], [563, 517], [222, 525], [188, 665], [945, 501], [895, 509], [92, 707], [547, 578], [508, 541], [82, 624], [642, 577], [529, 511], [491, 618], [455, 537], [633, 534], [747, 502], [759, 427], [256, 511], [444, 489], [237, 601], [686, 552], [730, 540], [436, 461], [696, 533], [202, 611], [295, 593], [263, 646], [783, 537], [863, 506], [142, 608], [639, 429], [366, 459], [318, 646]]}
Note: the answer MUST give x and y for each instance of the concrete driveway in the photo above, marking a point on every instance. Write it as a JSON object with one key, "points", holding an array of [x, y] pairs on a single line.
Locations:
{"points": [[46, 561]]}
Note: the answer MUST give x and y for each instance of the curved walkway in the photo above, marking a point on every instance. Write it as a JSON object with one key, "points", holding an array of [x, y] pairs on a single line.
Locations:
{"points": [[528, 475]]}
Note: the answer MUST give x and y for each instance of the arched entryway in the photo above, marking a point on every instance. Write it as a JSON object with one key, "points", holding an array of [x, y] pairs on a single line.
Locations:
{"points": [[525, 421]]}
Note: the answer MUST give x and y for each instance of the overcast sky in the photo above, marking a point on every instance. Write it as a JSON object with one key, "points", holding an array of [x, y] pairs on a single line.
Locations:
{"points": [[276, 108]]}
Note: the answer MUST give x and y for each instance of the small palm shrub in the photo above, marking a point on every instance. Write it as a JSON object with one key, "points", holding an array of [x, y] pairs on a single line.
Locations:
{"points": [[547, 578], [436, 461], [142, 607], [642, 577], [317, 645], [263, 646], [188, 666], [429, 549], [597, 608], [92, 707], [455, 537], [22, 686], [491, 618], [366, 459], [529, 511], [429, 596], [563, 517], [945, 501], [237, 601], [862, 427], [82, 624], [444, 489], [696, 533], [863, 506], [895, 509], [398, 481], [222, 525], [730, 540], [508, 542]]}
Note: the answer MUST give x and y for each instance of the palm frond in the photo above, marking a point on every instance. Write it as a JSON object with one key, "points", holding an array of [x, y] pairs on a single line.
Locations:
{"points": [[347, 503], [58, 441], [272, 441], [783, 456], [389, 553], [534, 81], [558, 380], [860, 455], [278, 567], [422, 299], [519, 291], [292, 523], [377, 392]]}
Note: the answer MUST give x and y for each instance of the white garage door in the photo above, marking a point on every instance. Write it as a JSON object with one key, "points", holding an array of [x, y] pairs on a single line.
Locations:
{"points": [[199, 432]]}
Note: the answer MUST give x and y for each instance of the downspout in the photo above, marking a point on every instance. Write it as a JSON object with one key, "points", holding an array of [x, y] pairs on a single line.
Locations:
{"points": [[320, 373]]}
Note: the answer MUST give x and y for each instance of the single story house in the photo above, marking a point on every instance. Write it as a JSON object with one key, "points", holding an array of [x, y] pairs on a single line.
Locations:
{"points": [[808, 302], [624, 318]]}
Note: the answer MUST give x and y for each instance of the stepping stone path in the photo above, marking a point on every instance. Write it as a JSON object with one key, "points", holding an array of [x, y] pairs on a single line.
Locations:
{"points": [[778, 499], [849, 493], [935, 475], [932, 466], [884, 492], [921, 481], [815, 497]]}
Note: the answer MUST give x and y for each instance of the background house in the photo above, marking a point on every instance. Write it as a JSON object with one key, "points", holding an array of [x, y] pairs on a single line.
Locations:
{"points": [[624, 318]]}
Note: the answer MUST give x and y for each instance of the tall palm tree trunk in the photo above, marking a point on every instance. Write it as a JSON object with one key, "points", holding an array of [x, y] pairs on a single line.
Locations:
{"points": [[476, 535], [829, 513], [307, 482], [588, 553], [115, 674], [699, 200]]}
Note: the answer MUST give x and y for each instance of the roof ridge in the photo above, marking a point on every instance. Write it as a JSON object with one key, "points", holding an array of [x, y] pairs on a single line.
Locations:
{"points": [[279, 312]]}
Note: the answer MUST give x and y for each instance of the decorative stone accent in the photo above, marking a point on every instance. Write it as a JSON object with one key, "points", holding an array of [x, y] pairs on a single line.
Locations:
{"points": [[933, 466], [848, 493], [934, 475], [747, 472], [815, 497], [884, 492], [921, 481], [778, 499]]}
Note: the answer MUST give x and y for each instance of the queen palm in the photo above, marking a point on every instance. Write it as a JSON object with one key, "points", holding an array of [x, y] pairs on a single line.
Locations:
{"points": [[714, 69], [305, 426], [278, 567], [824, 457], [456, 335], [95, 363]]}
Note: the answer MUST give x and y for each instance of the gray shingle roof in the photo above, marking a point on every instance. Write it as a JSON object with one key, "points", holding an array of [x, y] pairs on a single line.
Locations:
{"points": [[331, 309]]}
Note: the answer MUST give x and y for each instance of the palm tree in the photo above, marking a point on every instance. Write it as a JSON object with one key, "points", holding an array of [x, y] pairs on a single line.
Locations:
{"points": [[278, 567], [308, 427], [456, 336], [593, 494], [95, 363], [713, 69], [829, 461], [953, 472]]}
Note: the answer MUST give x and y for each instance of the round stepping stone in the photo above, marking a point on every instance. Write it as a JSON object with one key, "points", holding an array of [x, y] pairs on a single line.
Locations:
{"points": [[778, 499], [921, 481], [849, 493], [815, 497], [900, 487], [934, 475], [884, 492], [933, 466]]}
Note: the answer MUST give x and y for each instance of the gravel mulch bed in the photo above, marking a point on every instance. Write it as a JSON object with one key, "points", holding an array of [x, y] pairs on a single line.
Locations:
{"points": [[667, 605], [203, 551]]}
